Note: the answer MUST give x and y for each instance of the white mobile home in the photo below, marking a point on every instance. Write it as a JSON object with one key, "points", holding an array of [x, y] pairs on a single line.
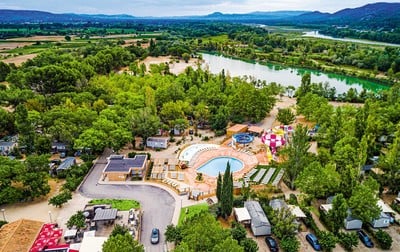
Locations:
{"points": [[259, 221], [157, 142]]}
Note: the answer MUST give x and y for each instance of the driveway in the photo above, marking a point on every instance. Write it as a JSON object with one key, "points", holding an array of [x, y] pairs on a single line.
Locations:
{"points": [[158, 205]]}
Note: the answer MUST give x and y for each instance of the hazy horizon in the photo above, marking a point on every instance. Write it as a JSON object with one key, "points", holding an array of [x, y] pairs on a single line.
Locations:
{"points": [[163, 8]]}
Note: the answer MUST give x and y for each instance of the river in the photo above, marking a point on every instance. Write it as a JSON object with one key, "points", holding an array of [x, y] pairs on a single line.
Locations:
{"points": [[286, 76], [316, 34]]}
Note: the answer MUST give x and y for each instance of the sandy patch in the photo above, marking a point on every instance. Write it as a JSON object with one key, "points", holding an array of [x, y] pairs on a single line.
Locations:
{"points": [[115, 36], [20, 59], [39, 38], [174, 66], [12, 45]]}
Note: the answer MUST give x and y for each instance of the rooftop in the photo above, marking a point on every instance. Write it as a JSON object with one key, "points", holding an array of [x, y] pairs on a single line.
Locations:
{"points": [[125, 164], [105, 214]]}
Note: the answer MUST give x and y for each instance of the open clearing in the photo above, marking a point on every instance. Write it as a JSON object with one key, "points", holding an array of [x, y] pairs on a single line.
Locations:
{"points": [[20, 59], [5, 46]]}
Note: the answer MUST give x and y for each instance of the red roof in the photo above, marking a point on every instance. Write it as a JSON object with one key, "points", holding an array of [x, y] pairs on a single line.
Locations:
{"points": [[48, 237]]}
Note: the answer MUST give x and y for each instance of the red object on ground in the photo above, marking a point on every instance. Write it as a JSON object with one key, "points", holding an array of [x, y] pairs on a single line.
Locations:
{"points": [[49, 235]]}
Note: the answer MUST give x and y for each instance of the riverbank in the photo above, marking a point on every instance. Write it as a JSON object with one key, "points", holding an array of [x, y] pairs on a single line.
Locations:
{"points": [[364, 75], [284, 75]]}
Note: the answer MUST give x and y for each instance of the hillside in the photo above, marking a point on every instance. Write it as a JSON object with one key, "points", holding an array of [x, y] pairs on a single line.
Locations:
{"points": [[377, 15]]}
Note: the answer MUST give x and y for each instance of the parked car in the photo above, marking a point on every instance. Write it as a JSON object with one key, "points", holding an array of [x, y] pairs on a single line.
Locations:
{"points": [[155, 236], [312, 239], [365, 239], [272, 244], [131, 215]]}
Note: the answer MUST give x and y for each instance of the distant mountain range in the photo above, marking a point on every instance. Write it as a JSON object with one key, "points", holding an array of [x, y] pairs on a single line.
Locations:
{"points": [[373, 15]]}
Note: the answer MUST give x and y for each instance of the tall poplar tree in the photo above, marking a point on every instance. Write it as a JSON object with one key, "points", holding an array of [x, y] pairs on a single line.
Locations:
{"points": [[227, 192], [219, 187]]}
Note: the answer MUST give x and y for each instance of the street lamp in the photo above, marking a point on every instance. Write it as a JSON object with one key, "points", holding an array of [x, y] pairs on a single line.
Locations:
{"points": [[51, 220], [4, 216]]}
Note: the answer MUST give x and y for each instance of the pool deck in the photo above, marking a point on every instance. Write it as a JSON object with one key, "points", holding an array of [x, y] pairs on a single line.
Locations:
{"points": [[209, 183]]}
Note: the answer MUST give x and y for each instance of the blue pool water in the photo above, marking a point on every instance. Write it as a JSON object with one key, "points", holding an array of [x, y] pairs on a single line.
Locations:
{"points": [[218, 165]]}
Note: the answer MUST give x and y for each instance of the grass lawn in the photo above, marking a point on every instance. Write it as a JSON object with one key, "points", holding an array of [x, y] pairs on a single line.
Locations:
{"points": [[121, 205], [192, 211]]}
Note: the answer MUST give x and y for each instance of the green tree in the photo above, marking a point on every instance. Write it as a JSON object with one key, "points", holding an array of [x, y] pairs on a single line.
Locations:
{"points": [[228, 245], [305, 86], [227, 193], [219, 187], [285, 116], [384, 239], [295, 155], [249, 245], [363, 203], [173, 234], [4, 71], [77, 220], [327, 240], [122, 243], [290, 244], [390, 163], [318, 181], [203, 233], [61, 198], [186, 57], [119, 230], [348, 240], [238, 231], [42, 145], [338, 213], [284, 223]]}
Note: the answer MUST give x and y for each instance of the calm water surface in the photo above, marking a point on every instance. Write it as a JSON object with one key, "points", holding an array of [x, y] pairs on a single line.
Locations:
{"points": [[286, 76], [218, 165]]}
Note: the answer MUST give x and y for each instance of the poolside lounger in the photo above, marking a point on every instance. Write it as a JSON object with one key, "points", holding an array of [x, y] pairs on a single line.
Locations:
{"points": [[173, 175], [278, 177], [268, 176], [259, 175]]}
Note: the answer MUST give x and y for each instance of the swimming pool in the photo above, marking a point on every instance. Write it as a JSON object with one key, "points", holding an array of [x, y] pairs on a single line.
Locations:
{"points": [[218, 165]]}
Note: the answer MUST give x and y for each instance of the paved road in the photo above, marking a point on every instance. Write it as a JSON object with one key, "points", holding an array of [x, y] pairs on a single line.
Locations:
{"points": [[158, 204]]}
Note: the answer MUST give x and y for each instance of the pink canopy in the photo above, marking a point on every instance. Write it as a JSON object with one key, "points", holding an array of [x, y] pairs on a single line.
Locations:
{"points": [[272, 140]]}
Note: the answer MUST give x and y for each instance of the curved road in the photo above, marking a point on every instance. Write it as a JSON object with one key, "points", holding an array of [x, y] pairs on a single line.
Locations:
{"points": [[158, 205]]}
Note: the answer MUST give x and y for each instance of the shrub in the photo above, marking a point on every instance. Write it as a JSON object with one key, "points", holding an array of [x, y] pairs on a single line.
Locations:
{"points": [[178, 142], [290, 244], [131, 154], [348, 240], [293, 199], [2, 223], [206, 138], [238, 201], [384, 239], [327, 240], [219, 133], [249, 245]]}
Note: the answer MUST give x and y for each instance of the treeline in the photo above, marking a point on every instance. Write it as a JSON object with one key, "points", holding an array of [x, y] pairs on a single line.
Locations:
{"points": [[313, 53], [391, 36]]}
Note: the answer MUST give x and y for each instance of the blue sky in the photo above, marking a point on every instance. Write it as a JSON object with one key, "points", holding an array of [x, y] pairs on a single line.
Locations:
{"points": [[179, 7]]}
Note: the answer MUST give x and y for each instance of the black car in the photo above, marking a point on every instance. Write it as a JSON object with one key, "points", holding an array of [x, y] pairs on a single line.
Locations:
{"points": [[365, 239], [155, 236], [271, 243]]}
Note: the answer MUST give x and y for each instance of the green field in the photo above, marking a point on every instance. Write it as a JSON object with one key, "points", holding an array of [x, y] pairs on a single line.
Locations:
{"points": [[192, 210], [121, 205]]}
